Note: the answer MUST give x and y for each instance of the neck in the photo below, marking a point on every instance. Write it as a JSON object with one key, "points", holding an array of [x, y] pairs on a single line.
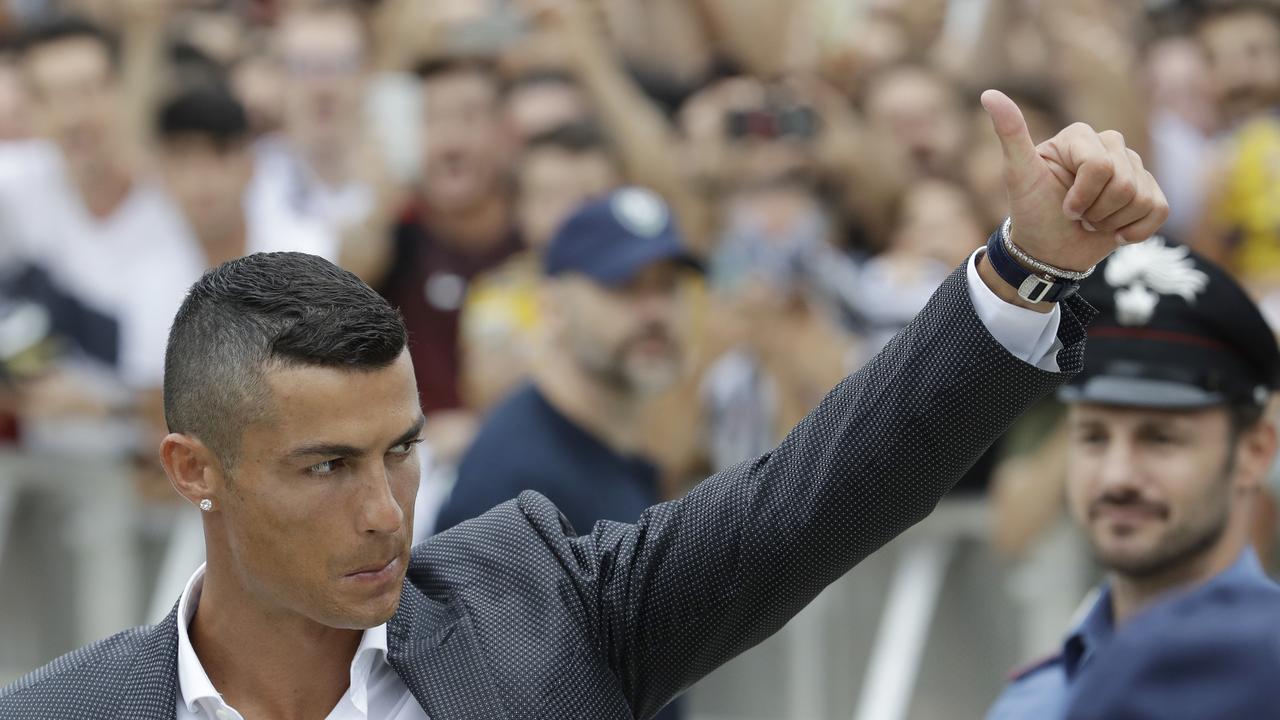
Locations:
{"points": [[329, 162], [476, 228], [1129, 595], [103, 185], [228, 244], [610, 413], [268, 662]]}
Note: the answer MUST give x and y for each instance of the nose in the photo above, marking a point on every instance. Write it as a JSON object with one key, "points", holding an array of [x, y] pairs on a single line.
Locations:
{"points": [[1118, 470], [380, 512]]}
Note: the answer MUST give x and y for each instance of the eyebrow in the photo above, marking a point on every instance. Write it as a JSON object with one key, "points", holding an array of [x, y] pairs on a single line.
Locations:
{"points": [[340, 450]]}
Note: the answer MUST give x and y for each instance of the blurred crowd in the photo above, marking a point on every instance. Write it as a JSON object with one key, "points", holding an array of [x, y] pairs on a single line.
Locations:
{"points": [[827, 161]]}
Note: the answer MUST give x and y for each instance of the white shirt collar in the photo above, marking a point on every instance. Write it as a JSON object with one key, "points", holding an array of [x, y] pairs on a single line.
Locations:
{"points": [[194, 684]]}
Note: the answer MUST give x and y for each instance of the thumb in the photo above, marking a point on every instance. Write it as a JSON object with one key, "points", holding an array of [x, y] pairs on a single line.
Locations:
{"points": [[1020, 153]]}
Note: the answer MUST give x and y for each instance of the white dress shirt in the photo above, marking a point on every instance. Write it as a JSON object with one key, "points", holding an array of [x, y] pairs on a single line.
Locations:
{"points": [[376, 692], [1028, 335]]}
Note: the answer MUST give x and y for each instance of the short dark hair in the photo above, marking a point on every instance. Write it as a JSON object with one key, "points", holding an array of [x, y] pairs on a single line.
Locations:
{"points": [[267, 310], [574, 137], [434, 67], [1243, 416], [68, 27], [1212, 10], [208, 113]]}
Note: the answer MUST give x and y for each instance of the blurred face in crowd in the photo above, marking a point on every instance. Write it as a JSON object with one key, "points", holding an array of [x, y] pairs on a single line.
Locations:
{"points": [[258, 82], [316, 515], [539, 107], [218, 33], [939, 220], [1181, 82], [323, 57], [14, 106], [464, 140], [208, 182], [72, 86], [1155, 490], [1244, 55], [553, 182], [628, 337], [921, 113]]}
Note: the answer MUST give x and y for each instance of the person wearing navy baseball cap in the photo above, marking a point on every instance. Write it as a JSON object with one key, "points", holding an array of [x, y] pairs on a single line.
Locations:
{"points": [[1169, 444], [613, 311], [613, 239]]}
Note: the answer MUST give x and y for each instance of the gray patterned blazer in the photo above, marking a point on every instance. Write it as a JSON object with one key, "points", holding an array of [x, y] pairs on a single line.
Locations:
{"points": [[512, 616]]}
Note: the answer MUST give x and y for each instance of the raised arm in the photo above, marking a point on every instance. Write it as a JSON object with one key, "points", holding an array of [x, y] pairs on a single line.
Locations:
{"points": [[644, 139], [697, 581]]}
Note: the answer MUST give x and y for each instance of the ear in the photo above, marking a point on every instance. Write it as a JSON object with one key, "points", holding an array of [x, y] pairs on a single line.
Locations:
{"points": [[1255, 453], [193, 469]]}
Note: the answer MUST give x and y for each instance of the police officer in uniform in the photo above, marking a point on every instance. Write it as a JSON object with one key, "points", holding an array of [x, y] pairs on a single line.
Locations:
{"points": [[1169, 444]]}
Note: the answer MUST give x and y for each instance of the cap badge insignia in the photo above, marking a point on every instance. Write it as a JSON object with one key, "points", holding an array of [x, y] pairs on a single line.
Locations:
{"points": [[640, 211], [1142, 272]]}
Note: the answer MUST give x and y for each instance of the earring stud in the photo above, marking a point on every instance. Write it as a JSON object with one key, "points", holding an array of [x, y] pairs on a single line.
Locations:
{"points": [[206, 504]]}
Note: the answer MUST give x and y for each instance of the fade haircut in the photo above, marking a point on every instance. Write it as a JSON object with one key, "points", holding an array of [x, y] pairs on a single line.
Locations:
{"points": [[268, 310]]}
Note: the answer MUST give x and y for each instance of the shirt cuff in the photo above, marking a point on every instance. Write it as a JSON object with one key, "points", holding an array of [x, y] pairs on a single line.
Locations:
{"points": [[1028, 335]]}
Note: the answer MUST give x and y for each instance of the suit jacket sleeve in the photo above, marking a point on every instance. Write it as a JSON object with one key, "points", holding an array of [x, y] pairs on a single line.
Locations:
{"points": [[697, 581]]}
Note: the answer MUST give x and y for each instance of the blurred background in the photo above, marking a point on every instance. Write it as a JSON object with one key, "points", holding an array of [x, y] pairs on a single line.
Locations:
{"points": [[828, 159]]}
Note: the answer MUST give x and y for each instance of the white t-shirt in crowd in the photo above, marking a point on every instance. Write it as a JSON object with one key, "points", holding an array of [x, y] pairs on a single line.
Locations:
{"points": [[160, 290], [134, 265], [44, 221], [284, 189]]}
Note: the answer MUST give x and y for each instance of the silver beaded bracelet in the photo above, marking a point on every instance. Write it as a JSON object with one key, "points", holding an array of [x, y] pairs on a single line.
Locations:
{"points": [[1041, 267]]}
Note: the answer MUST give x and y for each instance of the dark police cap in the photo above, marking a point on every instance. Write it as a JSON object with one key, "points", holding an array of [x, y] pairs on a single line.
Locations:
{"points": [[1173, 331]]}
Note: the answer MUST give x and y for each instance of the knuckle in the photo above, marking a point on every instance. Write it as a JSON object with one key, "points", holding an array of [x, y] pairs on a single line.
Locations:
{"points": [[1112, 137], [1103, 167]]}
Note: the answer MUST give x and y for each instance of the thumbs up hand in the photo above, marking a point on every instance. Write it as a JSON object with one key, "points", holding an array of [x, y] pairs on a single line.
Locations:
{"points": [[1076, 197]]}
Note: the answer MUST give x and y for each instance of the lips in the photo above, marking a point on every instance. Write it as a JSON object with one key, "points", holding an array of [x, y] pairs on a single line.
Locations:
{"points": [[1128, 513], [374, 567]]}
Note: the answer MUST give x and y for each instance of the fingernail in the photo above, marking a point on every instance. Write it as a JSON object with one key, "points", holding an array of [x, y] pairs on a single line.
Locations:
{"points": [[1088, 227], [1074, 216], [1121, 240]]}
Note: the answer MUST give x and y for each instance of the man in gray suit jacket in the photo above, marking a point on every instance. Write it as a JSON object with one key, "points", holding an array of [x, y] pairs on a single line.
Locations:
{"points": [[293, 414]]}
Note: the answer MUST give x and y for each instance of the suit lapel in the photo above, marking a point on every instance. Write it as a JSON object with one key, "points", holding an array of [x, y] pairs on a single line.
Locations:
{"points": [[432, 646], [151, 688]]}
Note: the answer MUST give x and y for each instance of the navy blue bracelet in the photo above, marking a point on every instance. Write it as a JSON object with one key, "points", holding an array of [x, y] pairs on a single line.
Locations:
{"points": [[1031, 286]]}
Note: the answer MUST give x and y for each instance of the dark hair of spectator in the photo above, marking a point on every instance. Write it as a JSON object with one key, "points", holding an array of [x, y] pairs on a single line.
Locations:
{"points": [[1211, 10], [193, 67], [209, 113], [432, 68], [259, 312], [68, 27], [578, 137]]}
